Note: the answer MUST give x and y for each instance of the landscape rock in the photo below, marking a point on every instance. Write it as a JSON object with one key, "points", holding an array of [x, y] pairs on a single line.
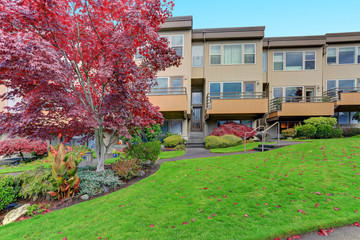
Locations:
{"points": [[85, 197], [140, 173], [15, 214]]}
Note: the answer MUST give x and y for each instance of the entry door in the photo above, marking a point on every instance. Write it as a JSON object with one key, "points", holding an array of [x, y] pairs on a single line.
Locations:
{"points": [[196, 125], [310, 94]]}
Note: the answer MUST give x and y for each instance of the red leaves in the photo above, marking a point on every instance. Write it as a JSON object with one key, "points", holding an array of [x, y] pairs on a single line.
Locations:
{"points": [[22, 145], [231, 128], [317, 205], [152, 225], [356, 224], [336, 209], [323, 232], [301, 211]]}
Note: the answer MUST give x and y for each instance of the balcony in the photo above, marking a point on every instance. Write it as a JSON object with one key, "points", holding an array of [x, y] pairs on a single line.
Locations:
{"points": [[251, 104], [172, 99], [345, 98], [300, 107]]}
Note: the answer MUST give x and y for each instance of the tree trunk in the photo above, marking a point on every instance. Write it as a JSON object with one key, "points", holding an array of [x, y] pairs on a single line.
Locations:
{"points": [[100, 149], [22, 156]]}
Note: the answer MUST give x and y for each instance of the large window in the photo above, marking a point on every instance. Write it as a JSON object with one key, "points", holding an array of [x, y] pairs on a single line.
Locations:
{"points": [[198, 56], [166, 85], [229, 90], [294, 61], [172, 125], [278, 92], [231, 54], [343, 55], [291, 93], [196, 98], [243, 122], [343, 84], [176, 43]]}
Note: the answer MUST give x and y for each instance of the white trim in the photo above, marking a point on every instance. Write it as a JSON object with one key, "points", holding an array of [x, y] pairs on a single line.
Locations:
{"points": [[192, 55], [357, 53], [232, 44]]}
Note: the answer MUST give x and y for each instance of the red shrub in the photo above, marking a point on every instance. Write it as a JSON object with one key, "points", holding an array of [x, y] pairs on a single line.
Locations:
{"points": [[22, 145], [231, 128]]}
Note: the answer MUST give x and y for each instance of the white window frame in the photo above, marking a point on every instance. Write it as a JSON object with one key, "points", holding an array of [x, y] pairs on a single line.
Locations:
{"points": [[303, 61], [232, 44], [284, 90], [169, 37], [222, 85], [357, 53], [203, 55], [337, 82]]}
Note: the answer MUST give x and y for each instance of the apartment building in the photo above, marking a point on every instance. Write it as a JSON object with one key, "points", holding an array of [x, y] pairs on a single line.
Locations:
{"points": [[236, 74]]}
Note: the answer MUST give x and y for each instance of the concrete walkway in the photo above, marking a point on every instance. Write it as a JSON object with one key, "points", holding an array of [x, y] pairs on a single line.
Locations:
{"points": [[340, 233]]}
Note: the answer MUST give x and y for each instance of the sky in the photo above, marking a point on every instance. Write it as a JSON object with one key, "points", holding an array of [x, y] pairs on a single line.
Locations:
{"points": [[281, 17]]}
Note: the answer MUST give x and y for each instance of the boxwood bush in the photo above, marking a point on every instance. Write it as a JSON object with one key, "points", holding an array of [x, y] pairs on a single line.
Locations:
{"points": [[145, 151], [173, 141], [222, 142], [350, 132], [316, 121], [307, 131], [7, 191], [324, 131], [289, 133]]}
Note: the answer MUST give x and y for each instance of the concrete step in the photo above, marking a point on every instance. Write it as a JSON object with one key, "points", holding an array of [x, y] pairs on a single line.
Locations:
{"points": [[195, 145], [259, 149], [196, 140], [268, 147]]}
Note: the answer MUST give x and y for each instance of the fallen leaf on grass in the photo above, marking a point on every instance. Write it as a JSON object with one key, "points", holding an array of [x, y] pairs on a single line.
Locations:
{"points": [[323, 232], [356, 224]]}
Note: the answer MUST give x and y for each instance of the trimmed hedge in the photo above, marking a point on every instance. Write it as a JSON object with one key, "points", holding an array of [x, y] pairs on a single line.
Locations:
{"points": [[350, 132], [145, 151], [222, 142], [307, 131], [173, 141], [316, 121], [324, 131]]}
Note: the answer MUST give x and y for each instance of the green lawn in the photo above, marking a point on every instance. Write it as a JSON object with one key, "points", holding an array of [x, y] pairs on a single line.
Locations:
{"points": [[239, 148], [171, 154], [287, 191], [24, 167]]}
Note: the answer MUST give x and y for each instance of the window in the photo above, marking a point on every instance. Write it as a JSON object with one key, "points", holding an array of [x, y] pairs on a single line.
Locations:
{"points": [[230, 89], [358, 55], [346, 85], [177, 43], [249, 55], [278, 92], [198, 56], [347, 55], [247, 123], [196, 98], [331, 56], [344, 118], [165, 127], [215, 89], [227, 121], [294, 61], [352, 121], [310, 60], [215, 54], [264, 61], [232, 54], [176, 84], [176, 126], [293, 94], [278, 61], [331, 84]]}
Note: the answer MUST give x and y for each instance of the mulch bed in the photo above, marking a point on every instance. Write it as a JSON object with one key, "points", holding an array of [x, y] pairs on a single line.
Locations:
{"points": [[57, 205]]}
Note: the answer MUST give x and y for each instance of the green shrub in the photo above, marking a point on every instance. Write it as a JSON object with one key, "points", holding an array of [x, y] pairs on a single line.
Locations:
{"points": [[215, 142], [126, 167], [289, 133], [37, 209], [93, 183], [316, 121], [7, 191], [232, 140], [337, 133], [180, 147], [169, 134], [173, 141], [324, 131], [145, 151], [350, 132], [306, 130], [35, 183]]}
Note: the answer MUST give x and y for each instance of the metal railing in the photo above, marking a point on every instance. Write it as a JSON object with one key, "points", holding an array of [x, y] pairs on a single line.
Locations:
{"points": [[263, 135], [276, 103], [167, 91], [335, 93], [250, 132], [232, 95]]}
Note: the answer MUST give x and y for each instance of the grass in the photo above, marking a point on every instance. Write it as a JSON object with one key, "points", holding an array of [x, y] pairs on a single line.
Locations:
{"points": [[24, 167], [171, 154], [208, 198], [239, 148]]}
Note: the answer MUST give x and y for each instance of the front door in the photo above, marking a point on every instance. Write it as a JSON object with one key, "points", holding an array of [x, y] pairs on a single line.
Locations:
{"points": [[310, 93], [196, 125]]}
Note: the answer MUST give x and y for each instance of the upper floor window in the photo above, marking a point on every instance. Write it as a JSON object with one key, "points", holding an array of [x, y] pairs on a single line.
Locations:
{"points": [[167, 85], [230, 54], [294, 61], [343, 55], [176, 43], [264, 61], [198, 55]]}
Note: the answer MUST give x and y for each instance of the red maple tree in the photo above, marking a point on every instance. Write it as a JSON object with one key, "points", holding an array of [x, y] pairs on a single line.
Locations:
{"points": [[20, 146], [72, 64]]}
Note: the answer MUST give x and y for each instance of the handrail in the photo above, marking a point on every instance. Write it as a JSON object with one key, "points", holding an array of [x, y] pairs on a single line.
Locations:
{"points": [[250, 132], [233, 95], [275, 104], [335, 93], [167, 91], [262, 135]]}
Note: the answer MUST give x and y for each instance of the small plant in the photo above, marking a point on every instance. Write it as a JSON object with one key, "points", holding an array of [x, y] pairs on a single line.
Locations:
{"points": [[35, 184], [148, 151], [337, 133], [173, 141], [180, 147], [7, 191], [169, 134], [64, 173], [38, 209], [289, 133], [93, 183], [126, 167]]}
